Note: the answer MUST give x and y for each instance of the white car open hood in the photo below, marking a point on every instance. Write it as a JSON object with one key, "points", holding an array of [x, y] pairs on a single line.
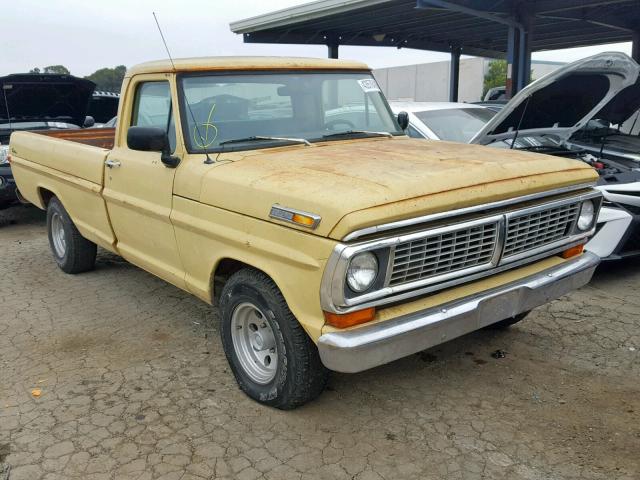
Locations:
{"points": [[563, 101]]}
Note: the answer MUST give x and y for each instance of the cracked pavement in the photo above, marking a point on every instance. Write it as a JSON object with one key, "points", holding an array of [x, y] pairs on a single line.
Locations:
{"points": [[134, 385]]}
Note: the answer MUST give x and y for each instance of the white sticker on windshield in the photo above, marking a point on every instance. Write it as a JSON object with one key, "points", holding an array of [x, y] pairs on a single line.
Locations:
{"points": [[369, 85]]}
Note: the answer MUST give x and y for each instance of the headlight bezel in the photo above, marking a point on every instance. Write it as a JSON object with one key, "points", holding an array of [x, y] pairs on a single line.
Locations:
{"points": [[363, 257], [580, 225]]}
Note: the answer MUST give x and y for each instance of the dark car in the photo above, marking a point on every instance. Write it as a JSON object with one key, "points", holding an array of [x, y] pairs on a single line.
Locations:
{"points": [[103, 106], [34, 101]]}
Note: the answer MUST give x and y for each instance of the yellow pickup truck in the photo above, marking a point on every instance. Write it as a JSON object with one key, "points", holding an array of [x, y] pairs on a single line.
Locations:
{"points": [[285, 191]]}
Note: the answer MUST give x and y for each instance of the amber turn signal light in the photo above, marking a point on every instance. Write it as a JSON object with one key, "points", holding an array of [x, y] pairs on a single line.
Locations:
{"points": [[573, 251], [350, 319], [302, 220]]}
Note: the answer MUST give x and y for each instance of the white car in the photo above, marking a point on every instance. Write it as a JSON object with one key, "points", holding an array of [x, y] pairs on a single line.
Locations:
{"points": [[588, 110], [450, 121]]}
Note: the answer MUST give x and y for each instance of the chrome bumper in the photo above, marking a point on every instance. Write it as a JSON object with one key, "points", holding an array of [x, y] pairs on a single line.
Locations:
{"points": [[377, 344]]}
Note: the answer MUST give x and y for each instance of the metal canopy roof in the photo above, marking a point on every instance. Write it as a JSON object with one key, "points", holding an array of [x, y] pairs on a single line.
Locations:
{"points": [[477, 27]]}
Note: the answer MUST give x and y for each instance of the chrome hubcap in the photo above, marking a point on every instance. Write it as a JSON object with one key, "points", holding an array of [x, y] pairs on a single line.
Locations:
{"points": [[57, 235], [254, 343]]}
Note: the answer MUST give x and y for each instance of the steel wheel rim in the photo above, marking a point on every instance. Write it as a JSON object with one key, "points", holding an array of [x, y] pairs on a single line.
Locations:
{"points": [[58, 236], [254, 343]]}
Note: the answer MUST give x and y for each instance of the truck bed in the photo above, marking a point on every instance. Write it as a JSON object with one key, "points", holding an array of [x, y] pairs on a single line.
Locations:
{"points": [[96, 137], [70, 165]]}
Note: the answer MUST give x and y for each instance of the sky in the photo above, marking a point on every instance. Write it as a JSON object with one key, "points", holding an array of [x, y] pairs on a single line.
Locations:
{"points": [[85, 35]]}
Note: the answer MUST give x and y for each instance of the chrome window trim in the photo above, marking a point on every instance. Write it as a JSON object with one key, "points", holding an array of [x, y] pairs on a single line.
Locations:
{"points": [[332, 290], [461, 211]]}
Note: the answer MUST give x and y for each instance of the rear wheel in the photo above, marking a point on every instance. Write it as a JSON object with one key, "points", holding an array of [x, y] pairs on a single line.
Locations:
{"points": [[272, 358], [72, 252], [506, 323]]}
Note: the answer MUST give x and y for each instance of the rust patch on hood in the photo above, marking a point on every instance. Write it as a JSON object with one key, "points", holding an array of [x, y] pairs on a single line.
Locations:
{"points": [[391, 178]]}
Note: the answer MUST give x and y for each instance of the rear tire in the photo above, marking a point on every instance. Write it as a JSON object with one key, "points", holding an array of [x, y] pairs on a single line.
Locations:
{"points": [[272, 358], [506, 323], [72, 252]]}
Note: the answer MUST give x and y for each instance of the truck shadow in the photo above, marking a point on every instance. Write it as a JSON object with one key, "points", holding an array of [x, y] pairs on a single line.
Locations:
{"points": [[22, 215]]}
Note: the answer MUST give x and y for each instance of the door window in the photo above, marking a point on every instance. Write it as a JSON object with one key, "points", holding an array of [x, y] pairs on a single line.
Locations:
{"points": [[152, 108]]}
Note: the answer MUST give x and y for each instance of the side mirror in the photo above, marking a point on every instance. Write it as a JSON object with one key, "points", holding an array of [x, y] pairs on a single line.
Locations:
{"points": [[152, 139], [403, 120], [89, 121]]}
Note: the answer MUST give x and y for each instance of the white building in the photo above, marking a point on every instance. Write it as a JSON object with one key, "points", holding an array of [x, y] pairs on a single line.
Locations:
{"points": [[429, 82]]}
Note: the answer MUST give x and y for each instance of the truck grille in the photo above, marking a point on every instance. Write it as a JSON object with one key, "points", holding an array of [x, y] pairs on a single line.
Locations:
{"points": [[532, 230], [443, 253]]}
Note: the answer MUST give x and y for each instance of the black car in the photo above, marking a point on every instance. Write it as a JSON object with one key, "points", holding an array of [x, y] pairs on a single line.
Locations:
{"points": [[34, 101]]}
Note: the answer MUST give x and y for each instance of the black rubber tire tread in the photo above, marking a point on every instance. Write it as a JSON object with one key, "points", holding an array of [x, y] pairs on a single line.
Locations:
{"points": [[81, 253], [506, 323], [301, 375]]}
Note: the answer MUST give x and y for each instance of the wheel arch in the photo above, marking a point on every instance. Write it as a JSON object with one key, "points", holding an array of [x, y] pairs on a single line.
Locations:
{"points": [[223, 270], [45, 195]]}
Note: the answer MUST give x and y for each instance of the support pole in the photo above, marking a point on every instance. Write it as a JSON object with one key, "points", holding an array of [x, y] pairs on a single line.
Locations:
{"points": [[513, 68], [526, 39], [333, 50], [635, 48], [454, 74], [527, 20]]}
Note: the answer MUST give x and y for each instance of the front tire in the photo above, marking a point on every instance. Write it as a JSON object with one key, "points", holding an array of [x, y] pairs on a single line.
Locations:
{"points": [[272, 358], [72, 252]]}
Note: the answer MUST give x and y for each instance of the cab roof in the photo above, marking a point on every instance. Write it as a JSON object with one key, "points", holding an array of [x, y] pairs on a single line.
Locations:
{"points": [[244, 63]]}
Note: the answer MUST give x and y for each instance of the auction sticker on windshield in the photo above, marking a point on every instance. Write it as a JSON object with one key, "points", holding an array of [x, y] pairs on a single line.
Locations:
{"points": [[369, 85]]}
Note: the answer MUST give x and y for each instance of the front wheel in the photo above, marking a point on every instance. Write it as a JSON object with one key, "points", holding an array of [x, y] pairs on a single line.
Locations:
{"points": [[72, 252], [271, 356]]}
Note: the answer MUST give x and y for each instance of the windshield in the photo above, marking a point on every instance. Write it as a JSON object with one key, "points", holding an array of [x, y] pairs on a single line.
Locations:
{"points": [[455, 124], [296, 105]]}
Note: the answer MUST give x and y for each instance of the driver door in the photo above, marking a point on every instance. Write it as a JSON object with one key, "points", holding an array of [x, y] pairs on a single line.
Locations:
{"points": [[139, 187]]}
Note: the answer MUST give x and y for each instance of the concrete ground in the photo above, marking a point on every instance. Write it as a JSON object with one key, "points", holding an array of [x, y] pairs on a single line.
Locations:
{"points": [[134, 384]]}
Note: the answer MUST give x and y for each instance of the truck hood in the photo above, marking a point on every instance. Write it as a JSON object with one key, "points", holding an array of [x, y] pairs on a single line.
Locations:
{"points": [[44, 97], [563, 101], [360, 183]]}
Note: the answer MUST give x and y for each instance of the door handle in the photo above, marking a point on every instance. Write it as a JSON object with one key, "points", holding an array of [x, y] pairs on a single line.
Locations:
{"points": [[112, 163]]}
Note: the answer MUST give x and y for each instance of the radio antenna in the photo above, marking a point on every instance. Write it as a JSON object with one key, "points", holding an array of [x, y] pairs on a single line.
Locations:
{"points": [[186, 102], [6, 102]]}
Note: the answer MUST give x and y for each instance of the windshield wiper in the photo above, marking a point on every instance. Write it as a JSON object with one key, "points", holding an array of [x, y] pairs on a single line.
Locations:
{"points": [[357, 132], [258, 138]]}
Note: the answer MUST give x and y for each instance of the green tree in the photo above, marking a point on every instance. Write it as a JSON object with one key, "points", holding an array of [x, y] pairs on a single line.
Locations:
{"points": [[108, 79], [60, 69], [496, 75]]}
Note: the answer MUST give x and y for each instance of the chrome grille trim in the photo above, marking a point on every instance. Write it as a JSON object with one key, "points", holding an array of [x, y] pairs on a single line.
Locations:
{"points": [[463, 211], [434, 255], [534, 229], [335, 298]]}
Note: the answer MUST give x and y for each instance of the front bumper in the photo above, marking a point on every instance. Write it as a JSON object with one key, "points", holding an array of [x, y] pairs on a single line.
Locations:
{"points": [[369, 346]]}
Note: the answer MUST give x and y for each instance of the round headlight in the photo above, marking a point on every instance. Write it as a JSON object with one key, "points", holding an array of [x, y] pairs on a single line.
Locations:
{"points": [[587, 214], [362, 271]]}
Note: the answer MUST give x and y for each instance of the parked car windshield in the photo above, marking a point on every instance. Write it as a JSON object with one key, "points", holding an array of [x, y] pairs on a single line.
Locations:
{"points": [[295, 105], [455, 124]]}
